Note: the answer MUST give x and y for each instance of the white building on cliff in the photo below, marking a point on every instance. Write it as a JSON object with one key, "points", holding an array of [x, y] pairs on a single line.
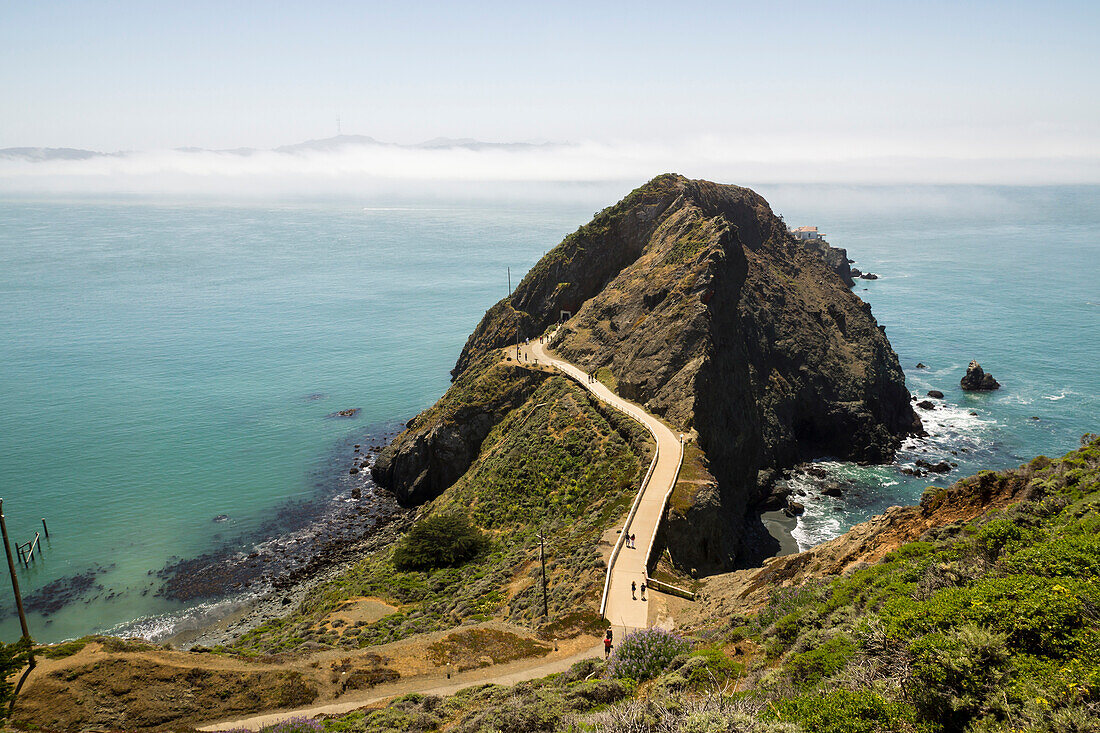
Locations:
{"points": [[807, 233]]}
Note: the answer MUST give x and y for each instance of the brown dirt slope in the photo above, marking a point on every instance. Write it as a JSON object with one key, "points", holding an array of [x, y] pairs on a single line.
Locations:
{"points": [[940, 510]]}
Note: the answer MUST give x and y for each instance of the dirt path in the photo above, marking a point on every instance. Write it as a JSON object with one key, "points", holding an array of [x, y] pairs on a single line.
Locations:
{"points": [[624, 610], [435, 684]]}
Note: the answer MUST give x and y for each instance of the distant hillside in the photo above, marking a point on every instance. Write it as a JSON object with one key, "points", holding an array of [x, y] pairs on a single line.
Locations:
{"points": [[323, 145]]}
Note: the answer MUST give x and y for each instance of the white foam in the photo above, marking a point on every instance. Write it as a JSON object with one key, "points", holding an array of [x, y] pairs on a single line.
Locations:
{"points": [[158, 627]]}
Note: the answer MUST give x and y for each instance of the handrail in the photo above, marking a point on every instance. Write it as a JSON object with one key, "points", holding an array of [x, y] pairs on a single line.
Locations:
{"points": [[629, 517], [650, 582], [637, 501]]}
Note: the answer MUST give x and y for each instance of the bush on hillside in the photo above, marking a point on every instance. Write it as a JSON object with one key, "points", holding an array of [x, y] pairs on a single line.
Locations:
{"points": [[439, 541], [644, 654], [957, 675]]}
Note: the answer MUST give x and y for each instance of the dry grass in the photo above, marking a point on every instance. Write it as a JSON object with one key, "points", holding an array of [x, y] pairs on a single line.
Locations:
{"points": [[482, 648]]}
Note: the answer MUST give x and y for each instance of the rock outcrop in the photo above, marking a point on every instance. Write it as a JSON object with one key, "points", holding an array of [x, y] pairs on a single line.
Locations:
{"points": [[440, 443], [692, 299], [977, 379], [835, 257]]}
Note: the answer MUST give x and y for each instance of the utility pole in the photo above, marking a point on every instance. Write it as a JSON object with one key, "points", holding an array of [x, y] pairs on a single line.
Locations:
{"points": [[18, 607], [513, 310], [542, 556]]}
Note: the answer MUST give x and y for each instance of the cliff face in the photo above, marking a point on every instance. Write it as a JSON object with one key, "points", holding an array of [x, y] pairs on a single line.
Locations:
{"points": [[440, 443], [692, 299]]}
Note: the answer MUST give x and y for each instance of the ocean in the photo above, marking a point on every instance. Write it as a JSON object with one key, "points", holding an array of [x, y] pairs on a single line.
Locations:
{"points": [[169, 369]]}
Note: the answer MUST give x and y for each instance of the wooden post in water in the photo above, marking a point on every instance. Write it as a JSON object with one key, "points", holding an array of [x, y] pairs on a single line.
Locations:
{"points": [[44, 528]]}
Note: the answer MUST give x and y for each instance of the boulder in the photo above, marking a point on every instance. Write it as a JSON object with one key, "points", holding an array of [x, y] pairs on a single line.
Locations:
{"points": [[935, 393], [833, 491], [940, 467], [977, 379], [926, 405], [921, 365], [795, 508], [868, 276]]}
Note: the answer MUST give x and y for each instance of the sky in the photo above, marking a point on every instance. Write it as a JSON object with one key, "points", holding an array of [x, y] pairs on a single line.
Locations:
{"points": [[866, 90]]}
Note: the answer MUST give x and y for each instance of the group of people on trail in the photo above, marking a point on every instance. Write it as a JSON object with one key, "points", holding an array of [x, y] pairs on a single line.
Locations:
{"points": [[634, 590], [591, 378], [630, 541]]}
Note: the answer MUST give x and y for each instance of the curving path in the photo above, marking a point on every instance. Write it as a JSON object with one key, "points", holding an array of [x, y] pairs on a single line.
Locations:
{"points": [[628, 565]]}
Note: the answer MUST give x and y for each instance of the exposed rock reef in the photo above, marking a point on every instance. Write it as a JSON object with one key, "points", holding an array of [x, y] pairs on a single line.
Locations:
{"points": [[692, 299], [977, 379]]}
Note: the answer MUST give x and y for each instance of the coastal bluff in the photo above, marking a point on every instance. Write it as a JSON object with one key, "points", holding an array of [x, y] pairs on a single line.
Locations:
{"points": [[692, 299]]}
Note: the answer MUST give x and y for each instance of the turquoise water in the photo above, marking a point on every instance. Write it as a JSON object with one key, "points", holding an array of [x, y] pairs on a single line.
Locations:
{"points": [[1007, 276], [160, 361]]}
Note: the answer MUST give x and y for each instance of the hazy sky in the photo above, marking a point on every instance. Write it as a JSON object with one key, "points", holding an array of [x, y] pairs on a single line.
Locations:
{"points": [[774, 80]]}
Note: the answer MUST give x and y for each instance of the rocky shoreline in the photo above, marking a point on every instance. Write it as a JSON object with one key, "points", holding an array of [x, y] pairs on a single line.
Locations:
{"points": [[258, 577]]}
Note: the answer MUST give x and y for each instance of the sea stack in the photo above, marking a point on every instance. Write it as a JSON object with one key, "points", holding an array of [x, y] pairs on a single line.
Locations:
{"points": [[699, 305], [977, 379]]}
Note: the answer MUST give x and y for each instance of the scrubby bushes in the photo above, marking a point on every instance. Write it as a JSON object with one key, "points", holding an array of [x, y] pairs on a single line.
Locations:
{"points": [[439, 541], [842, 711], [644, 654], [957, 675]]}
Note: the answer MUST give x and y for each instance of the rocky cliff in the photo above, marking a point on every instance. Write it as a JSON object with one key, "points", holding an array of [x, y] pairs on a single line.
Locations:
{"points": [[691, 298]]}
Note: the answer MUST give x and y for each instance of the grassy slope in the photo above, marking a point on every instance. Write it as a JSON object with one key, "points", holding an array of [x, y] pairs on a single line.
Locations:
{"points": [[558, 464], [988, 625]]}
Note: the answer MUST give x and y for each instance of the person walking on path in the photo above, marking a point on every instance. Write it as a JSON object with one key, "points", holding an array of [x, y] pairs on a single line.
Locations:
{"points": [[606, 647], [634, 590], [643, 590]]}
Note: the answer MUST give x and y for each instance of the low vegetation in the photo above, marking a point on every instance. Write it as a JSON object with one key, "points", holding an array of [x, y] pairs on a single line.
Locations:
{"points": [[985, 626], [560, 467], [439, 541]]}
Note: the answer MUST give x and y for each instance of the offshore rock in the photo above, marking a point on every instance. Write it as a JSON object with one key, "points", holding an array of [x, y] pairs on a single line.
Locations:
{"points": [[977, 379]]}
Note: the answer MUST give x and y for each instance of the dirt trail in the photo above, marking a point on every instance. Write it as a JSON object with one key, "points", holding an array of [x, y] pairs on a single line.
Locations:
{"points": [[435, 684], [121, 685]]}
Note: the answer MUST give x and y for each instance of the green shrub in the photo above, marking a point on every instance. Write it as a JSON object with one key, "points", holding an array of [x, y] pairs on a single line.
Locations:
{"points": [[824, 661], [842, 711], [437, 541], [958, 674], [995, 536], [716, 667], [1069, 556], [1039, 615]]}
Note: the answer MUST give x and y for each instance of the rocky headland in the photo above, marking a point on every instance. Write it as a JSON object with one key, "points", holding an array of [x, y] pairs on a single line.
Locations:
{"points": [[692, 299]]}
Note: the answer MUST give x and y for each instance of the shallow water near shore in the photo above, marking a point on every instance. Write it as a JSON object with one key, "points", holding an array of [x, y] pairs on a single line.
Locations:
{"points": [[164, 364]]}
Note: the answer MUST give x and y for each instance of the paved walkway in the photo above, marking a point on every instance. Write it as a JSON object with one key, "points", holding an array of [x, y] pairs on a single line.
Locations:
{"points": [[623, 611]]}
